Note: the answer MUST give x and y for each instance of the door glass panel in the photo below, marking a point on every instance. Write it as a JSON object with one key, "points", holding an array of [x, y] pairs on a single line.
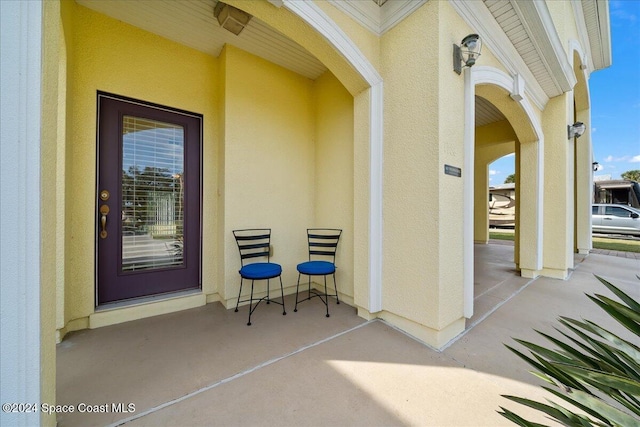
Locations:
{"points": [[152, 194]]}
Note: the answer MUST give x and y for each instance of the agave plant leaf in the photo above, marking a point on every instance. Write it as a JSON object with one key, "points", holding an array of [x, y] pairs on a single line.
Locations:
{"points": [[560, 376], [608, 412], [544, 352], [608, 380], [620, 343], [571, 353], [617, 362], [631, 403], [621, 313], [628, 402], [615, 340], [556, 413], [607, 335], [600, 369], [595, 358], [569, 397], [626, 310], [517, 419], [603, 358], [632, 366], [533, 363], [633, 304]]}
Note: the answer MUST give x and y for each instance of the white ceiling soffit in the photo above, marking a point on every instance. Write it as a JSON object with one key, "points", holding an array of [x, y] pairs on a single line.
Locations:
{"points": [[596, 18], [529, 26], [480, 19], [522, 36], [487, 113], [378, 19], [191, 23]]}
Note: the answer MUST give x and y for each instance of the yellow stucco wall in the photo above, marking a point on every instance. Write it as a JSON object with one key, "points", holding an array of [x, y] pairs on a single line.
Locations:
{"points": [[333, 181], [284, 21], [297, 30], [269, 160], [52, 203], [368, 42], [411, 168], [288, 162], [558, 195], [568, 163], [118, 58], [292, 26], [423, 208]]}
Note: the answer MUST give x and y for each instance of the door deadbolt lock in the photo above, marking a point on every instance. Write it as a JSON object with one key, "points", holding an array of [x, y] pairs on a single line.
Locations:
{"points": [[104, 195]]}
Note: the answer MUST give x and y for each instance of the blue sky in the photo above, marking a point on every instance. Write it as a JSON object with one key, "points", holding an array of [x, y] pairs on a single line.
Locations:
{"points": [[615, 100]]}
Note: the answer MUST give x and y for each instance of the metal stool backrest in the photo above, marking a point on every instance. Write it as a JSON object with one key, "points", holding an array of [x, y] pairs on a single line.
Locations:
{"points": [[253, 243], [323, 242]]}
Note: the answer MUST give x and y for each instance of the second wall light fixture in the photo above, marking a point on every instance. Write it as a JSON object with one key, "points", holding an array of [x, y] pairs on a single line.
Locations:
{"points": [[467, 53], [575, 130]]}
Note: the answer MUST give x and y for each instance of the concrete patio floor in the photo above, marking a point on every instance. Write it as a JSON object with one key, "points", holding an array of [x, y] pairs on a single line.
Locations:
{"points": [[206, 367]]}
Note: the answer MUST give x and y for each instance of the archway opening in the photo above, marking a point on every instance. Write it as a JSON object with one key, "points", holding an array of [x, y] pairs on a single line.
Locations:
{"points": [[502, 195], [503, 125]]}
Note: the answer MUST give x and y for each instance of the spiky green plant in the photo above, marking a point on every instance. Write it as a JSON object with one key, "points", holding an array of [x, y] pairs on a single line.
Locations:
{"points": [[594, 370]]}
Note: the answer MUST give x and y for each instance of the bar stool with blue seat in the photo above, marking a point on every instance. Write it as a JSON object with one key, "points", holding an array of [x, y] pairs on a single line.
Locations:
{"points": [[255, 243], [323, 243]]}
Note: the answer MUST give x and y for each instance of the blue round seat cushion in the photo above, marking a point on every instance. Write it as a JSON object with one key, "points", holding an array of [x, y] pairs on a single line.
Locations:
{"points": [[316, 268], [261, 270]]}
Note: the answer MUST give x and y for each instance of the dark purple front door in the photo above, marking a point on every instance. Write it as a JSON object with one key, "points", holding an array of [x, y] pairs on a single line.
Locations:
{"points": [[148, 228]]}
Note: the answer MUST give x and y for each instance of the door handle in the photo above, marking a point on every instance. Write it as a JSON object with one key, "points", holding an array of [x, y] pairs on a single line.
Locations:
{"points": [[104, 211], [608, 219]]}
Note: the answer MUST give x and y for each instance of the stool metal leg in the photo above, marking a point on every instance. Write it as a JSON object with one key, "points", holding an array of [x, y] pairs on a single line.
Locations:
{"points": [[326, 302], [251, 303], [335, 286], [284, 310], [295, 309], [239, 292], [268, 300]]}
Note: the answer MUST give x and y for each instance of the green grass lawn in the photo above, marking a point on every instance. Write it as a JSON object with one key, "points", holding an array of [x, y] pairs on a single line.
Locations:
{"points": [[598, 242]]}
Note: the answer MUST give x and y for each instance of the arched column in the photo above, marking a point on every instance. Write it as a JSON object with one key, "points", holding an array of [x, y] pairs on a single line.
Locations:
{"points": [[492, 84], [583, 151]]}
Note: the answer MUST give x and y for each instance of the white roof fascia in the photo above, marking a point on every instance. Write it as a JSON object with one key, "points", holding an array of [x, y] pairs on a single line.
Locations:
{"points": [[535, 17], [605, 34], [366, 13], [478, 17], [393, 12], [378, 19], [583, 35]]}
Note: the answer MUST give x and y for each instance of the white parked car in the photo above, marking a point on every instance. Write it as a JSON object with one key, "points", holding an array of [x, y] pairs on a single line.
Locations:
{"points": [[615, 219]]}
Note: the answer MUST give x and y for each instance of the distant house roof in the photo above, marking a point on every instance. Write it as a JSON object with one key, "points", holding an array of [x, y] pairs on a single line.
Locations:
{"points": [[509, 186]]}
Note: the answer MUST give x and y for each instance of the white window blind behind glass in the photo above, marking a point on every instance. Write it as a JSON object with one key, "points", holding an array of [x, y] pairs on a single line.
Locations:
{"points": [[152, 194]]}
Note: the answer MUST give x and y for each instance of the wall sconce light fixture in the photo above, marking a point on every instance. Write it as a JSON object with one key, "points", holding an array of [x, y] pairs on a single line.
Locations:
{"points": [[231, 18], [576, 130], [467, 52], [596, 166]]}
